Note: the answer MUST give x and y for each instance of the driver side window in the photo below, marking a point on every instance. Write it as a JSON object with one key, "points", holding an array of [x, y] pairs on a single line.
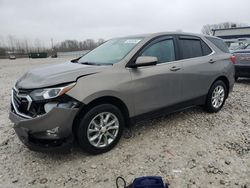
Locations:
{"points": [[163, 50]]}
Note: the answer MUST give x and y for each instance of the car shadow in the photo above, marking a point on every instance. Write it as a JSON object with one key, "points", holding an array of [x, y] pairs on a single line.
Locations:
{"points": [[134, 131], [152, 123]]}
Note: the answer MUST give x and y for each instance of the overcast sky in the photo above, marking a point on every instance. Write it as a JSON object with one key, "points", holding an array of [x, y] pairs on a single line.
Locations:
{"points": [[81, 19]]}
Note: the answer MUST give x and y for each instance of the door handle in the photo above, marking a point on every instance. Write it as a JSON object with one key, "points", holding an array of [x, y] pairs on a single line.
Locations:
{"points": [[175, 68], [211, 61]]}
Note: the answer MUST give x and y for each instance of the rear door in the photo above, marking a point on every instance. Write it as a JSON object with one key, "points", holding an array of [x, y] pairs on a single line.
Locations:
{"points": [[157, 86], [199, 67]]}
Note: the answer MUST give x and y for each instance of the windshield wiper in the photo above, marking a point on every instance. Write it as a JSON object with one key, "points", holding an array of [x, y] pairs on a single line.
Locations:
{"points": [[88, 63], [92, 63]]}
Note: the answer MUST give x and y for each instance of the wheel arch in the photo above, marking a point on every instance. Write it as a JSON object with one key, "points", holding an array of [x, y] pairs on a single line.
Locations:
{"points": [[225, 80], [102, 100]]}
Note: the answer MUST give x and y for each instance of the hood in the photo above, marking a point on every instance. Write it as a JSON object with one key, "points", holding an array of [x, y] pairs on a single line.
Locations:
{"points": [[56, 74]]}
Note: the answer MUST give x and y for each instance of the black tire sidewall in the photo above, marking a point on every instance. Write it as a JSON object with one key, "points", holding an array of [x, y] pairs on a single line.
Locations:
{"points": [[209, 105], [81, 133]]}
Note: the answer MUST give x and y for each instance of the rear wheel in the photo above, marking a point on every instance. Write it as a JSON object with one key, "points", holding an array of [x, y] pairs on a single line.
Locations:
{"points": [[216, 97], [236, 78], [100, 129]]}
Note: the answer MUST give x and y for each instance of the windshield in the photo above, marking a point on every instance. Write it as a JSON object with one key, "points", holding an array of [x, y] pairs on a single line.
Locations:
{"points": [[110, 52]]}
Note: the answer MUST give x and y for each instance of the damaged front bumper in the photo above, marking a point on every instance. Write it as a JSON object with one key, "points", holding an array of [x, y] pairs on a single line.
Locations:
{"points": [[49, 132]]}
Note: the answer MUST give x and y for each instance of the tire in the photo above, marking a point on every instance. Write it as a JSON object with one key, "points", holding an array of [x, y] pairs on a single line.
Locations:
{"points": [[91, 133], [210, 105], [236, 78]]}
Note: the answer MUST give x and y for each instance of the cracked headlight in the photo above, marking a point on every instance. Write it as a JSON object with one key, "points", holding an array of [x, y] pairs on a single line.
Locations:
{"points": [[50, 93]]}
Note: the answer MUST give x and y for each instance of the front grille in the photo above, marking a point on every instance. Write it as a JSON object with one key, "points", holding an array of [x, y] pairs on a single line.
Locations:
{"points": [[21, 103], [17, 100]]}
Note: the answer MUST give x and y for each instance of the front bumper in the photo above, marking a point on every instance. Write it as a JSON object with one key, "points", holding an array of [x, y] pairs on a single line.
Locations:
{"points": [[242, 70], [48, 132]]}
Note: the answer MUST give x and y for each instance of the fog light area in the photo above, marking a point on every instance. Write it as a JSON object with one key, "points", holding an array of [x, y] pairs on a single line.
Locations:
{"points": [[53, 131], [49, 106], [69, 104]]}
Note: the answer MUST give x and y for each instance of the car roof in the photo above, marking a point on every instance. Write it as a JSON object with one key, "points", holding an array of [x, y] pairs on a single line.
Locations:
{"points": [[152, 35]]}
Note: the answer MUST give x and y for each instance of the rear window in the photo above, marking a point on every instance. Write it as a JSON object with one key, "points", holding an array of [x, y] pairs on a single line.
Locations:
{"points": [[219, 43], [205, 48], [190, 48]]}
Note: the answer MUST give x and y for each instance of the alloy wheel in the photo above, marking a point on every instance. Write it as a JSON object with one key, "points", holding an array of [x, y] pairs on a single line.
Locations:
{"points": [[103, 129], [218, 96]]}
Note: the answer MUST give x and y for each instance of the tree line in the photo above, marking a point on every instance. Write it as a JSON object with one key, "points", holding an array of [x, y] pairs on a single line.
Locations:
{"points": [[74, 45], [13, 45], [22, 46]]}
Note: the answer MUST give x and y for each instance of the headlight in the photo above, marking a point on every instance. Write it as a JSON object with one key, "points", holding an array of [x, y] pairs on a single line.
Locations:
{"points": [[49, 93]]}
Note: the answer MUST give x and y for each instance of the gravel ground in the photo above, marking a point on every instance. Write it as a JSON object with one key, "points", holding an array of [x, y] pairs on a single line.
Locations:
{"points": [[189, 149]]}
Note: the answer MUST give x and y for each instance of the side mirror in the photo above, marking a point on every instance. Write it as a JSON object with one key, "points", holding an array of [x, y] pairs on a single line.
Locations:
{"points": [[143, 61]]}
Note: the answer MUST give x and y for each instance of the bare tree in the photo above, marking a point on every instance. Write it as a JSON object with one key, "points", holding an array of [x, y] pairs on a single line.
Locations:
{"points": [[208, 29], [2, 43], [2, 51], [74, 45], [26, 46], [100, 41], [11, 42], [90, 44], [23, 46], [37, 45]]}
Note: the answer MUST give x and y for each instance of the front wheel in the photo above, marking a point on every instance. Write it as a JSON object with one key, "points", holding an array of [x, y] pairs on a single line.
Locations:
{"points": [[216, 97], [100, 129]]}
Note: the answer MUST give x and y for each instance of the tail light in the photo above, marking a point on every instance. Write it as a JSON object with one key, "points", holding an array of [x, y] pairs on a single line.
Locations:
{"points": [[233, 59]]}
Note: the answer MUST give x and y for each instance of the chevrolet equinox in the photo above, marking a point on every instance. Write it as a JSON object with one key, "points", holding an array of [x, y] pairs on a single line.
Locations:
{"points": [[93, 98]]}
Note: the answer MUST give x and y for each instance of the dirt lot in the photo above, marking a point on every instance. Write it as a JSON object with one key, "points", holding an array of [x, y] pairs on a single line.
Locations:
{"points": [[189, 149]]}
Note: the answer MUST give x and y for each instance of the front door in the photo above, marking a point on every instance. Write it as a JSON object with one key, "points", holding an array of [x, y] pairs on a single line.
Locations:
{"points": [[157, 86]]}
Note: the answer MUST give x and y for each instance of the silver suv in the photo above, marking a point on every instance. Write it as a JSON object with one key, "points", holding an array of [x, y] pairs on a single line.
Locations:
{"points": [[93, 98]]}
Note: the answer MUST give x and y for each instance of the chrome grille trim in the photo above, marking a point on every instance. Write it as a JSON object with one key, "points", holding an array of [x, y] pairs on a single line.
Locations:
{"points": [[14, 105]]}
